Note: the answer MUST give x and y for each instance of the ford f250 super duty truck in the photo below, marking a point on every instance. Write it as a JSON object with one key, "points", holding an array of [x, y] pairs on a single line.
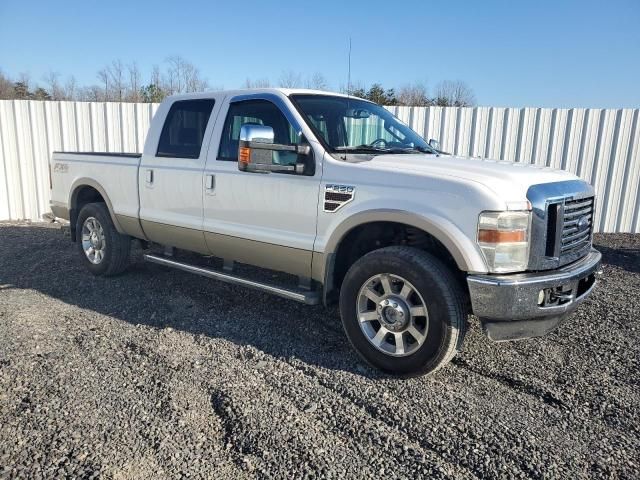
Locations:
{"points": [[342, 196]]}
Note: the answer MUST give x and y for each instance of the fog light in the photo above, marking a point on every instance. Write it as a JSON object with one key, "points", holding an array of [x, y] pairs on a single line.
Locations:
{"points": [[541, 298]]}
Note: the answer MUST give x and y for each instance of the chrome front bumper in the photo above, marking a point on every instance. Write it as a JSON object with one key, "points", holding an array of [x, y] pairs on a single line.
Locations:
{"points": [[526, 305]]}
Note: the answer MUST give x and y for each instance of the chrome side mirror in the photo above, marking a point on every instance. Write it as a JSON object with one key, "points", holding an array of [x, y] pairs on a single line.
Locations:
{"points": [[435, 144], [256, 147]]}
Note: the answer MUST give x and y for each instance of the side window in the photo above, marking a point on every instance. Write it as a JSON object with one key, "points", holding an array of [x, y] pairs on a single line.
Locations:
{"points": [[184, 128], [261, 112]]}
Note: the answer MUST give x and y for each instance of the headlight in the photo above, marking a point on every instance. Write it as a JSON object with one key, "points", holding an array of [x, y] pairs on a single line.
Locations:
{"points": [[503, 238]]}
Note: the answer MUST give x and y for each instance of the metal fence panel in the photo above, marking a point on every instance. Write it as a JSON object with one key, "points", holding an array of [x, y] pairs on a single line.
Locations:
{"points": [[600, 146]]}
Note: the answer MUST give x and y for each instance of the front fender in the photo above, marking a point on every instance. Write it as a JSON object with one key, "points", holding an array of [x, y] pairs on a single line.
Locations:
{"points": [[461, 248]]}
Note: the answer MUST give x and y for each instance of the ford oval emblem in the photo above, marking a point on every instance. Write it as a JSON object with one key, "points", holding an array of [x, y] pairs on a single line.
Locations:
{"points": [[583, 223]]}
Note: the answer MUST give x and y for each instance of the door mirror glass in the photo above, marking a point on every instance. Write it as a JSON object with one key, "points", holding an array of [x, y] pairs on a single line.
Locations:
{"points": [[435, 144], [258, 152]]}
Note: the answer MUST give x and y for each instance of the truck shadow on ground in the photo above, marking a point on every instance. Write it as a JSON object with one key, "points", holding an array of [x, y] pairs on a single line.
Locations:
{"points": [[39, 257], [160, 297], [626, 258]]}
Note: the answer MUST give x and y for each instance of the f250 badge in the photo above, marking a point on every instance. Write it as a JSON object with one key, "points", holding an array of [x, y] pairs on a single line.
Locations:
{"points": [[336, 196], [60, 168]]}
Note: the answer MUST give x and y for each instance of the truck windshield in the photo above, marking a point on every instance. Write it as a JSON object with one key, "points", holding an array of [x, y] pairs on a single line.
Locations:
{"points": [[352, 125]]}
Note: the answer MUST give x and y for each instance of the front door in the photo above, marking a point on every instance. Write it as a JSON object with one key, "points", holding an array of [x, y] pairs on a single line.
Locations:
{"points": [[170, 179], [264, 219]]}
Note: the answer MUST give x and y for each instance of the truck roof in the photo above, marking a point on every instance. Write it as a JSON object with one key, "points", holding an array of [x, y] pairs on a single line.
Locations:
{"points": [[244, 91]]}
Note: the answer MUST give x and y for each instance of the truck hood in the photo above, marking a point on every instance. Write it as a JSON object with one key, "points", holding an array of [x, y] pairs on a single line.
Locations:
{"points": [[508, 180]]}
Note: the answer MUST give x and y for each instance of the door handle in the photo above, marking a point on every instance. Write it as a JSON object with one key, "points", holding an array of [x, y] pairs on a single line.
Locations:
{"points": [[210, 181], [149, 176]]}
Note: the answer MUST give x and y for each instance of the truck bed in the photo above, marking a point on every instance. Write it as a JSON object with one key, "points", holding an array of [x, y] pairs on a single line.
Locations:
{"points": [[114, 175]]}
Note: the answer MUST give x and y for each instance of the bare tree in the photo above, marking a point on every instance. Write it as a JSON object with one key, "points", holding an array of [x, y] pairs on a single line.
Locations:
{"points": [[71, 89], [25, 78], [116, 77], [317, 81], [52, 81], [456, 93], [6, 87], [192, 80], [290, 79], [175, 74], [413, 95], [103, 76], [156, 78], [258, 83], [156, 90], [134, 82], [93, 93], [182, 76]]}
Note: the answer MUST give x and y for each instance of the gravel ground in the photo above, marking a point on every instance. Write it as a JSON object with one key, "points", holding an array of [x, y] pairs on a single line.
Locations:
{"points": [[161, 374]]}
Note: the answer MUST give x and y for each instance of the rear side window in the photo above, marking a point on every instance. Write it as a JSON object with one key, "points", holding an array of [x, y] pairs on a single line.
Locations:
{"points": [[184, 128]]}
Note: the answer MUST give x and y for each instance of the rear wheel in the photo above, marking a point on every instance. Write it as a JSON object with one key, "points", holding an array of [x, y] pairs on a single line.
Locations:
{"points": [[403, 310], [103, 250]]}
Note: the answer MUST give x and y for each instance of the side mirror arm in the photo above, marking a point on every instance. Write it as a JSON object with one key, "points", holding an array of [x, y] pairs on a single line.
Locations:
{"points": [[299, 149], [266, 168]]}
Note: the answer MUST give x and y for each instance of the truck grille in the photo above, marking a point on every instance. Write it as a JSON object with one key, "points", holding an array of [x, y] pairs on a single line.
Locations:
{"points": [[561, 223], [576, 226]]}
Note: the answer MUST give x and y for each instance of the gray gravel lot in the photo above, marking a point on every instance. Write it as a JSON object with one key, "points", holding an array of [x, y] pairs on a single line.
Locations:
{"points": [[161, 374]]}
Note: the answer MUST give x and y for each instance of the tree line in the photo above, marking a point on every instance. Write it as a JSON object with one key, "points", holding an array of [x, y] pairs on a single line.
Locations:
{"points": [[120, 82], [448, 93], [117, 82]]}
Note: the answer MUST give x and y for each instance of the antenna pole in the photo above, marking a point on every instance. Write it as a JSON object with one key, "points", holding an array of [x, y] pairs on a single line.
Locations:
{"points": [[348, 91], [349, 70]]}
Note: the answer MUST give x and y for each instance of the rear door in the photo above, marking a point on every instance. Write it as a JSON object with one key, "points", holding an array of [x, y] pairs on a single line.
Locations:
{"points": [[170, 180]]}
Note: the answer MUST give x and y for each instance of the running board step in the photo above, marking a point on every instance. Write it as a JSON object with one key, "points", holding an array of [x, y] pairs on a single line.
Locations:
{"points": [[303, 296]]}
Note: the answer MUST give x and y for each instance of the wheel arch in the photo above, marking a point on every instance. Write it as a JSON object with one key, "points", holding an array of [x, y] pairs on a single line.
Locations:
{"points": [[87, 190], [463, 253]]}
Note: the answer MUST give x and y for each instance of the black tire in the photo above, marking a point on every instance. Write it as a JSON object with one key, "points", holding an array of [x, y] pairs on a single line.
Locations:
{"points": [[437, 287], [116, 245]]}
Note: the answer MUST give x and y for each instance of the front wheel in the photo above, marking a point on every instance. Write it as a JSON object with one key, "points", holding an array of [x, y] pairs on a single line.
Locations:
{"points": [[103, 250], [403, 310]]}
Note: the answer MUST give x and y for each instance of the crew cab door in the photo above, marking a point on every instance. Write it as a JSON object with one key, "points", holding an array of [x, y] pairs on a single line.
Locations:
{"points": [[263, 219], [170, 179]]}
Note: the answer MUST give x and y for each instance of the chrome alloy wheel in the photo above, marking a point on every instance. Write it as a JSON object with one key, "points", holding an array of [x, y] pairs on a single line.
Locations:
{"points": [[93, 241], [392, 315]]}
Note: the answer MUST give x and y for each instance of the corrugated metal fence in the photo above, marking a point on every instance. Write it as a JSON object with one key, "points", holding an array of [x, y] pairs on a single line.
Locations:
{"points": [[601, 146], [31, 130]]}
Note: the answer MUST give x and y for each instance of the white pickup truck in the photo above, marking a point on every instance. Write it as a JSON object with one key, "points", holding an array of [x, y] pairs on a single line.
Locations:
{"points": [[354, 205]]}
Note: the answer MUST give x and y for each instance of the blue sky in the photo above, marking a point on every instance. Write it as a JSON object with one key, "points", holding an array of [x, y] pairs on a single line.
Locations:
{"points": [[512, 53]]}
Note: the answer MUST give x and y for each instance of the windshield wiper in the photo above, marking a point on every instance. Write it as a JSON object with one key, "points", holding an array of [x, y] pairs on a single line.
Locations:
{"points": [[380, 150], [405, 150], [363, 149], [372, 149], [411, 150]]}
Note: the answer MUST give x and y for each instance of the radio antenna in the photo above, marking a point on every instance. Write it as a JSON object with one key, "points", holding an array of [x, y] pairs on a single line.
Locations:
{"points": [[346, 142], [349, 69]]}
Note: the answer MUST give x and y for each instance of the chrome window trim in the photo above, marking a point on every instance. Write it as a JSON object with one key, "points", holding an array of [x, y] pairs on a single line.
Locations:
{"points": [[541, 197]]}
